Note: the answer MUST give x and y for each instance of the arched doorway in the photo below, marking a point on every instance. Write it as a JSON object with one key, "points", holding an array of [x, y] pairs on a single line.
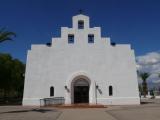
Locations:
{"points": [[81, 91]]}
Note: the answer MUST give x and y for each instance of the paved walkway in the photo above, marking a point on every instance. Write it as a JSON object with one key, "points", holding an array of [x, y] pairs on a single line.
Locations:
{"points": [[142, 112], [134, 112], [28, 113], [85, 114]]}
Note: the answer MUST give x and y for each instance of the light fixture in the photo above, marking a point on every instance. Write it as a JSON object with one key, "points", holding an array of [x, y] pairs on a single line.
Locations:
{"points": [[65, 87]]}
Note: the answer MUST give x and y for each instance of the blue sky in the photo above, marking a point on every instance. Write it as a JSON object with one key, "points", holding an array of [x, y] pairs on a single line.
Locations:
{"points": [[36, 21]]}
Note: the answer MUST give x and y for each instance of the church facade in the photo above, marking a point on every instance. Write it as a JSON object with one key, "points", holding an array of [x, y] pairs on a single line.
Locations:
{"points": [[82, 67]]}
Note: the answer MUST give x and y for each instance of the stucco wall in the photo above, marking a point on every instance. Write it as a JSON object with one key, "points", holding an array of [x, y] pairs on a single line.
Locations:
{"points": [[102, 63]]}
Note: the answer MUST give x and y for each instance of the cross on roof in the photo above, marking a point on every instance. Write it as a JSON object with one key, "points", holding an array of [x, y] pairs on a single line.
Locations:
{"points": [[80, 11]]}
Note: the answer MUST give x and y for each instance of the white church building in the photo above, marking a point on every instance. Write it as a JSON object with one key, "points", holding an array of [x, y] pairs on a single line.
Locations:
{"points": [[80, 66]]}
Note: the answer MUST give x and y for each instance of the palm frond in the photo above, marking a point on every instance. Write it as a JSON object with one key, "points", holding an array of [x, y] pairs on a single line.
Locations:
{"points": [[144, 76], [6, 35]]}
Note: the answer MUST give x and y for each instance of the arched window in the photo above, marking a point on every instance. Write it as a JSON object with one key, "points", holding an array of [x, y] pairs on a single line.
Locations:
{"points": [[52, 91], [110, 90]]}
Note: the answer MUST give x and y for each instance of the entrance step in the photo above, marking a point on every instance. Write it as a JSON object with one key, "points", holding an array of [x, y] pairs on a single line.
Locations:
{"points": [[80, 106]]}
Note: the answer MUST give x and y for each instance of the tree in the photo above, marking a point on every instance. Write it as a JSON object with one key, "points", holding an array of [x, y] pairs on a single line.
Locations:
{"points": [[6, 35], [140, 89], [5, 71], [11, 77], [17, 76], [144, 77]]}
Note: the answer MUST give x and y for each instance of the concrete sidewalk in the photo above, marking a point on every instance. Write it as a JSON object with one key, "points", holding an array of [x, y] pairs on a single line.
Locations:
{"points": [[128, 112], [85, 114]]}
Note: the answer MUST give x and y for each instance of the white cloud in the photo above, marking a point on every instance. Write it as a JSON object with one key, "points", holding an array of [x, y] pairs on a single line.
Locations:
{"points": [[150, 63]]}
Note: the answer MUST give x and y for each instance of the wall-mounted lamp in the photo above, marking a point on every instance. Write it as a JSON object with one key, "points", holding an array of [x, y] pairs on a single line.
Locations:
{"points": [[65, 87], [97, 87]]}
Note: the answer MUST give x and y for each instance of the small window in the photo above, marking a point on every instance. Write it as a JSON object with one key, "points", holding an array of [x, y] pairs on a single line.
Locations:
{"points": [[90, 38], [80, 24], [70, 38], [110, 90], [52, 91]]}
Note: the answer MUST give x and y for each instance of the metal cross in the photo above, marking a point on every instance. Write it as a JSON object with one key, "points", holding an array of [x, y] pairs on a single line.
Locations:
{"points": [[80, 11]]}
